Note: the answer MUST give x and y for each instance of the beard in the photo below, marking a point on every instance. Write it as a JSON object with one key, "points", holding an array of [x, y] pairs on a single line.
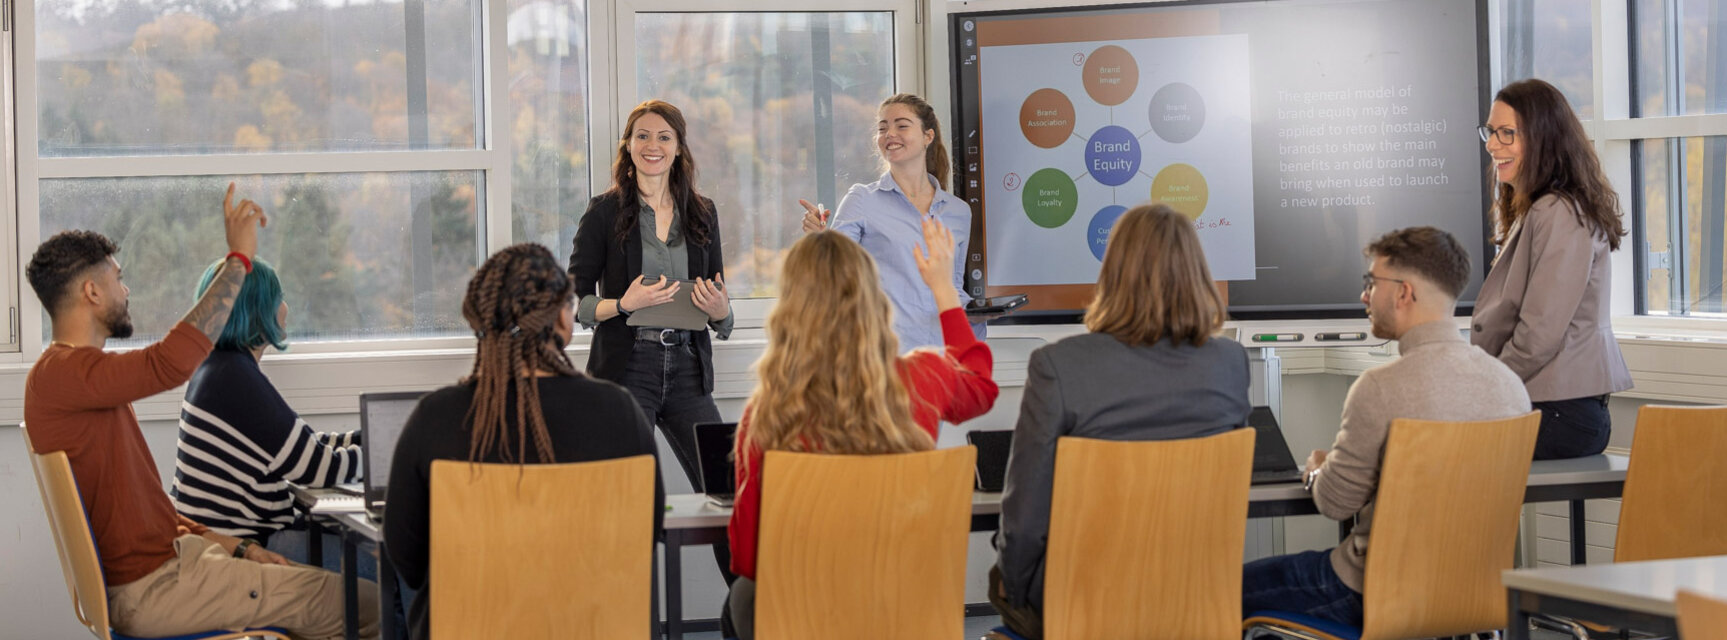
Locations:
{"points": [[119, 323], [1381, 327]]}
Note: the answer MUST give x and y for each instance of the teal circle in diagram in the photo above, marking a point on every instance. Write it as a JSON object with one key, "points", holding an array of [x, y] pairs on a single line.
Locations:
{"points": [[1177, 112], [1050, 198]]}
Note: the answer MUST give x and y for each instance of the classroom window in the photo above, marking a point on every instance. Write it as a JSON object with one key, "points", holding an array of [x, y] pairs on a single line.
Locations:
{"points": [[1551, 40], [775, 102], [1679, 48], [360, 255], [548, 89], [358, 126], [141, 77], [1683, 200]]}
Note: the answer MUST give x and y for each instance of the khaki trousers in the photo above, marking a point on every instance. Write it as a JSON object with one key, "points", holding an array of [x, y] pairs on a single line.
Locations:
{"points": [[203, 588]]}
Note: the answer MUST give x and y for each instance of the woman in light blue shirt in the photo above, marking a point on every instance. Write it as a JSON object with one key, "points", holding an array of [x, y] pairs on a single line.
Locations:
{"points": [[886, 216]]}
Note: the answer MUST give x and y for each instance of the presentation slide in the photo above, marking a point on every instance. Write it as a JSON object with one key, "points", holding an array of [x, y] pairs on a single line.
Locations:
{"points": [[1291, 133]]}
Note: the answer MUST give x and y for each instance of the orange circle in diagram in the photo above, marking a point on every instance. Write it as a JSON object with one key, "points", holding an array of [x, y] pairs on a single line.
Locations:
{"points": [[1111, 75], [1182, 188], [1046, 118]]}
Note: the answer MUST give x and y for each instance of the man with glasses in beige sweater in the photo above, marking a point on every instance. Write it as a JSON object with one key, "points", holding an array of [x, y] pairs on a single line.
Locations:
{"points": [[1411, 293]]}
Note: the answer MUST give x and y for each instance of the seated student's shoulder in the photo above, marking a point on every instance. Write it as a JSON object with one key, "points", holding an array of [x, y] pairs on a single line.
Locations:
{"points": [[594, 394]]}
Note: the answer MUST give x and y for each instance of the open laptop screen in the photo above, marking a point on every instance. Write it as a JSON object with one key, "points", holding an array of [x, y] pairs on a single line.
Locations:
{"points": [[714, 447], [382, 416]]}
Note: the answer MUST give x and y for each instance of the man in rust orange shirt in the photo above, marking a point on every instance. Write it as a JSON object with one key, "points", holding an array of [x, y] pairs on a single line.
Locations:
{"points": [[166, 575]]}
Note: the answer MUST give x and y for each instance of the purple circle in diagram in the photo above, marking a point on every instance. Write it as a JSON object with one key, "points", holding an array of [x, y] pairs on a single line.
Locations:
{"points": [[1097, 233], [1112, 155]]}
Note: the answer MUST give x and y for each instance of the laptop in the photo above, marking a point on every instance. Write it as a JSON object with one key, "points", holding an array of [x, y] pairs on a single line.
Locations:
{"points": [[714, 456], [992, 450], [1272, 462], [382, 416]]}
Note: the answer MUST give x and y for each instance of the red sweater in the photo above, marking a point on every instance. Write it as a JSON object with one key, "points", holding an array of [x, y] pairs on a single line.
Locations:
{"points": [[954, 385], [79, 400]]}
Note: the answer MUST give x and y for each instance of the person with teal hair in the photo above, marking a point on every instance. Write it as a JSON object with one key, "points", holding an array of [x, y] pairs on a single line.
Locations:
{"points": [[241, 445]]}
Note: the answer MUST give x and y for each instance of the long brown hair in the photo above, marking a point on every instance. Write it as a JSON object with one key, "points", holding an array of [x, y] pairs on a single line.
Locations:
{"points": [[1557, 159], [827, 380], [935, 155], [1154, 282], [513, 304], [696, 217]]}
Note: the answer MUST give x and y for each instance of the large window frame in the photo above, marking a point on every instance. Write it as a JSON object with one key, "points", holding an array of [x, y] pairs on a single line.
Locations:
{"points": [[611, 93], [749, 313], [1616, 133]]}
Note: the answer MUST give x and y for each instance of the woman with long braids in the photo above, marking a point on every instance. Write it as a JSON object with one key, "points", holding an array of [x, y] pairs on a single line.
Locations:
{"points": [[524, 403], [1544, 309], [650, 228], [831, 379]]}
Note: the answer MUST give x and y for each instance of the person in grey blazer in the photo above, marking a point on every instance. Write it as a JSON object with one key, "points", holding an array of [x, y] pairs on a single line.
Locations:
{"points": [[1544, 308], [1151, 368]]}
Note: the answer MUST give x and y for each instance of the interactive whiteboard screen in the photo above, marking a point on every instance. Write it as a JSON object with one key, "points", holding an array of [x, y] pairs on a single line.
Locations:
{"points": [[1292, 133]]}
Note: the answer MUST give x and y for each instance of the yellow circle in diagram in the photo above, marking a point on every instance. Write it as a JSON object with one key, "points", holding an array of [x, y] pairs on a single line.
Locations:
{"points": [[1182, 188]]}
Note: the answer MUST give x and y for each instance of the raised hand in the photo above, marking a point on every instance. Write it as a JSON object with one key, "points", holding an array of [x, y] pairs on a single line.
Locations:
{"points": [[239, 221], [641, 296], [710, 296], [936, 265], [815, 217]]}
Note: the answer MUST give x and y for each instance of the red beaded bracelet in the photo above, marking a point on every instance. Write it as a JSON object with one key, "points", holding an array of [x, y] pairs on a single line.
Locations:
{"points": [[243, 259]]}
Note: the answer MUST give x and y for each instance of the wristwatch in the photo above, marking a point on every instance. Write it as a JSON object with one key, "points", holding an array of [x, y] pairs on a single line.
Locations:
{"points": [[240, 549], [1308, 478], [620, 308]]}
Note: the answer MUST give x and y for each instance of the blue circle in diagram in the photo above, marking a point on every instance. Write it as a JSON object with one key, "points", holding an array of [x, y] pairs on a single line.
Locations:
{"points": [[1097, 234], [1112, 155]]}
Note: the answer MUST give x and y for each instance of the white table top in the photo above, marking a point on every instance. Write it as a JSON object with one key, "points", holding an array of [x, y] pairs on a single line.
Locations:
{"points": [[693, 511], [1646, 587]]}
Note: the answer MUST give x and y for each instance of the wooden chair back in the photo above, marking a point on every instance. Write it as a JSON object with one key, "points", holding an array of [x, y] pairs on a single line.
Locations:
{"points": [[864, 546], [72, 537], [543, 550], [1145, 538], [1675, 491], [1701, 617], [1445, 526]]}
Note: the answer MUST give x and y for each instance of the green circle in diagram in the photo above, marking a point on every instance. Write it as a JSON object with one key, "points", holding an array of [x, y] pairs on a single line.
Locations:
{"points": [[1050, 198]]}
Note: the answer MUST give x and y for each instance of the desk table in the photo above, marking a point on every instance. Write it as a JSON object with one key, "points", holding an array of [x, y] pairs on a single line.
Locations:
{"points": [[692, 520], [1630, 595]]}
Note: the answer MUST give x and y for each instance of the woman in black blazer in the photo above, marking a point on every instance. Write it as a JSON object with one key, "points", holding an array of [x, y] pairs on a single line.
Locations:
{"points": [[650, 229]]}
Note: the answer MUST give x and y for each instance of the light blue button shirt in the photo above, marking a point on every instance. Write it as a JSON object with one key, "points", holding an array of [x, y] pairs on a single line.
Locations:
{"points": [[881, 218]]}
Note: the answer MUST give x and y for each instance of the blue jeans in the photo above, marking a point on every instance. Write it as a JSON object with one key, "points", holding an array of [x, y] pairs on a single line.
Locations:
{"points": [[1573, 428], [1301, 583]]}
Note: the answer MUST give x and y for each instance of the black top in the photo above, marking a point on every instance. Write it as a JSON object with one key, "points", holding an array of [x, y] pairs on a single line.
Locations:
{"points": [[601, 267], [588, 420]]}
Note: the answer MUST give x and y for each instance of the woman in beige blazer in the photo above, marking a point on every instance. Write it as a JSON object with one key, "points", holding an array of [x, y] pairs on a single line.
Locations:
{"points": [[1544, 308]]}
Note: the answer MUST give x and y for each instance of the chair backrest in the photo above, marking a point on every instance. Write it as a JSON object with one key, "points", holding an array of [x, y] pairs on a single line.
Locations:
{"points": [[72, 537], [864, 546], [1674, 488], [1701, 617], [1445, 526], [542, 551], [1145, 538]]}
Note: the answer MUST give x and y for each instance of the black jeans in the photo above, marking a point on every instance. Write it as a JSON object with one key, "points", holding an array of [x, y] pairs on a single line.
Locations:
{"points": [[667, 383], [1573, 428]]}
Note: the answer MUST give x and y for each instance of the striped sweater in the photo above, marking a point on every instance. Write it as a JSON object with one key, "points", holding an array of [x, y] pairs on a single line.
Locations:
{"points": [[241, 445]]}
